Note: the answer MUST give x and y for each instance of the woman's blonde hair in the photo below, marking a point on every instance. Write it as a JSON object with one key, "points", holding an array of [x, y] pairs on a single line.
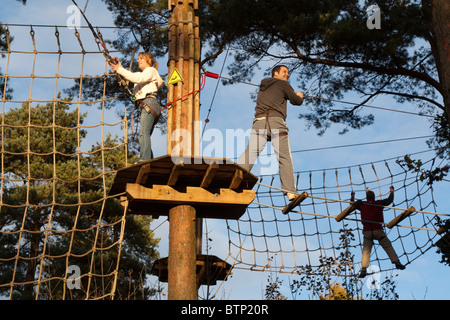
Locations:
{"points": [[150, 59]]}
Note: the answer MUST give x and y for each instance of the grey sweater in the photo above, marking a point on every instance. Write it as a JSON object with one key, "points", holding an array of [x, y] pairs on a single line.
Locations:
{"points": [[273, 95]]}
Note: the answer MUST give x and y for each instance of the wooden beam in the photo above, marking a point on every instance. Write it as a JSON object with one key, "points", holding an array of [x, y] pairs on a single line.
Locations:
{"points": [[400, 217], [298, 199], [193, 195], [348, 210], [237, 179], [123, 202], [143, 174], [172, 4], [176, 170], [209, 175]]}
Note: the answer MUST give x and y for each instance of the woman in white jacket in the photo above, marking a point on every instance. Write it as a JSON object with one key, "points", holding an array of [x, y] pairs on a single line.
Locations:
{"points": [[146, 86]]}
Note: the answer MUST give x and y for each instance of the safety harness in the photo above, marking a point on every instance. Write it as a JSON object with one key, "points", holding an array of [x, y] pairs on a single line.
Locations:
{"points": [[266, 115]]}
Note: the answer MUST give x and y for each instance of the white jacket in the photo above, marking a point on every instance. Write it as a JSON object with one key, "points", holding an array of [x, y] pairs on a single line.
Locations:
{"points": [[145, 82]]}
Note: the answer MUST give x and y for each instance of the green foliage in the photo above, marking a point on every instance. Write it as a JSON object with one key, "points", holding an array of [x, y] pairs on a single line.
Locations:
{"points": [[431, 176], [5, 89], [443, 244], [322, 281], [272, 291], [441, 141], [336, 292], [273, 288]]}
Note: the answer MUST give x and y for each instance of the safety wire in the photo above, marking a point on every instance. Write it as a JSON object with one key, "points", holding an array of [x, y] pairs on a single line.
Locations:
{"points": [[216, 76], [169, 105], [100, 42]]}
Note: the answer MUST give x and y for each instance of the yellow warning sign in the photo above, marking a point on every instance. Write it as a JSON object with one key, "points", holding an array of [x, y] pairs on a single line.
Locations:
{"points": [[175, 77]]}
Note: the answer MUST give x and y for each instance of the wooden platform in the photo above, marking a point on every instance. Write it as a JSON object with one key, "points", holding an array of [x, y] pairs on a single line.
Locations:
{"points": [[216, 187], [210, 269]]}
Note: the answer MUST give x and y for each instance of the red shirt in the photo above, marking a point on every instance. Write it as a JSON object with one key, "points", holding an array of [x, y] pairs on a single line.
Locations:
{"points": [[371, 213]]}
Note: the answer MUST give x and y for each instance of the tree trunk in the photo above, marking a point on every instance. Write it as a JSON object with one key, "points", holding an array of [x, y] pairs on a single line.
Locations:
{"points": [[440, 29]]}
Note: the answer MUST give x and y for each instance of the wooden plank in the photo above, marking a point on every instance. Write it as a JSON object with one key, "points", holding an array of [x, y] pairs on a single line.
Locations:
{"points": [[123, 202], [194, 4], [400, 217], [208, 211], [209, 175], [297, 200], [172, 4], [176, 170], [193, 195], [348, 210], [237, 179], [194, 172], [143, 173]]}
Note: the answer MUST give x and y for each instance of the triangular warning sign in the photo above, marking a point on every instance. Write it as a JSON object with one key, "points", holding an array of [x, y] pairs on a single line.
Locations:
{"points": [[175, 77]]}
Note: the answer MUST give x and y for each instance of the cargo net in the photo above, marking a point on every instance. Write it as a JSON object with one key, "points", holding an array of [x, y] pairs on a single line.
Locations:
{"points": [[310, 240], [59, 229]]}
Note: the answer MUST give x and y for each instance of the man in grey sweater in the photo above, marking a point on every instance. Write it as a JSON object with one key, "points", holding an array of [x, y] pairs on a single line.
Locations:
{"points": [[269, 125]]}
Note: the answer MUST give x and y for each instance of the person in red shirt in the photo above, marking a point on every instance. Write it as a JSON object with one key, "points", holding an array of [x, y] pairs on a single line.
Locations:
{"points": [[372, 220]]}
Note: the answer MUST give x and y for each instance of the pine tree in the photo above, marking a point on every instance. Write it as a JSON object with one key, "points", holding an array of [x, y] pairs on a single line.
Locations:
{"points": [[48, 179]]}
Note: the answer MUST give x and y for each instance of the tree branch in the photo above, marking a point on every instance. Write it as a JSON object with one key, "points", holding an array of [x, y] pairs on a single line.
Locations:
{"points": [[411, 96], [369, 67]]}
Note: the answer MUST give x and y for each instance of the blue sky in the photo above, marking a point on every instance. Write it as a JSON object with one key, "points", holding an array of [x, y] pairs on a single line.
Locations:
{"points": [[233, 109]]}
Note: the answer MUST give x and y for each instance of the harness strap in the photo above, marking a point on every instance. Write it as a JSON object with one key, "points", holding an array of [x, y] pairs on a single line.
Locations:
{"points": [[148, 109], [280, 135], [269, 136], [268, 113]]}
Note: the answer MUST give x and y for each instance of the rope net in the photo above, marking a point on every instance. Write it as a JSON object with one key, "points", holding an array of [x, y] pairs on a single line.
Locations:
{"points": [[59, 229], [309, 238]]}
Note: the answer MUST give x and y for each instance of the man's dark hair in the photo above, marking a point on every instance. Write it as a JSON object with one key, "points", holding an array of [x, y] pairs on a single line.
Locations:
{"points": [[277, 69], [370, 195]]}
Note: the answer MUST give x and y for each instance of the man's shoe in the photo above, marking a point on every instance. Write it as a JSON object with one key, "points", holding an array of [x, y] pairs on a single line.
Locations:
{"points": [[291, 196], [399, 266], [363, 273], [139, 160]]}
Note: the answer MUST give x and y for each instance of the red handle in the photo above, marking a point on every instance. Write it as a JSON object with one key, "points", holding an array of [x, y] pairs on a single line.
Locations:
{"points": [[212, 75]]}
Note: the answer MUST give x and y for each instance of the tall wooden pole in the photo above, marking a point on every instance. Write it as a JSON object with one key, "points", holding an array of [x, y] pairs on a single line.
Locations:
{"points": [[182, 275], [183, 140], [183, 132]]}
